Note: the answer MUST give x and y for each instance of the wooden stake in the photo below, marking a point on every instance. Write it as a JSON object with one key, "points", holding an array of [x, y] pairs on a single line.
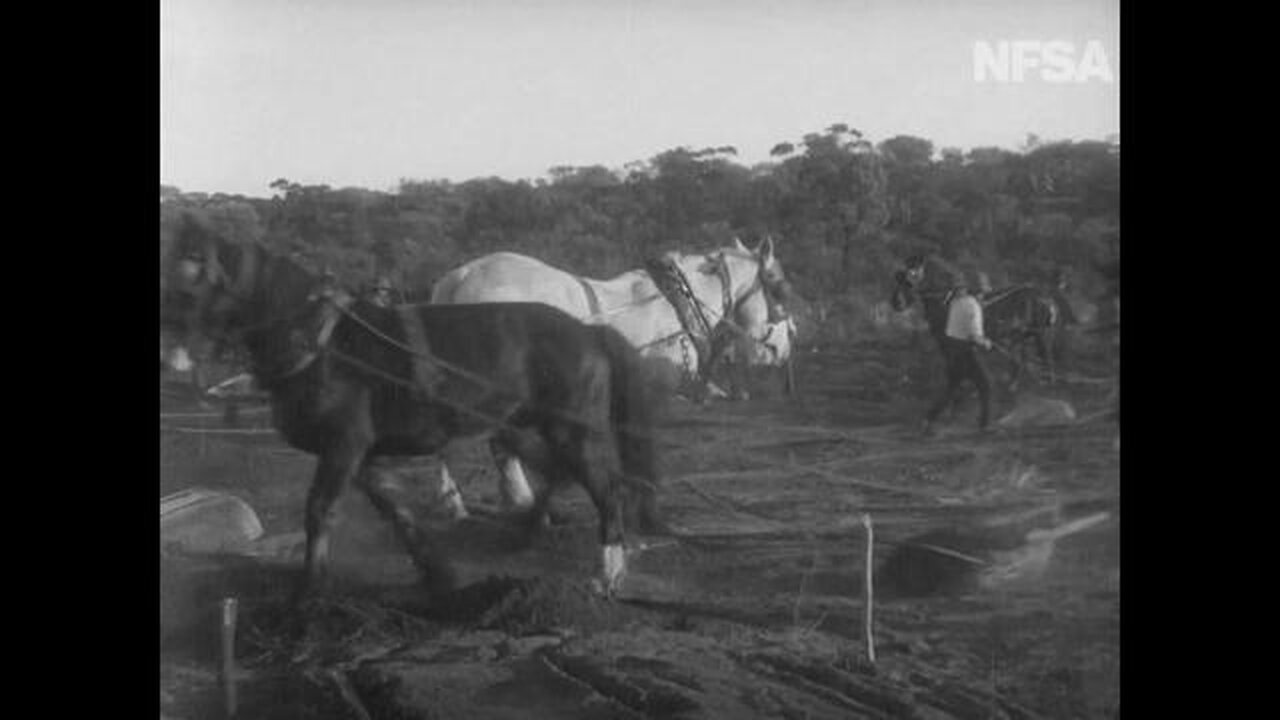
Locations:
{"points": [[868, 594], [229, 607]]}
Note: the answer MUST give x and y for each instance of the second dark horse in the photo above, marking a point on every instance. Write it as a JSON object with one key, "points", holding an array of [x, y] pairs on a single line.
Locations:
{"points": [[1019, 318]]}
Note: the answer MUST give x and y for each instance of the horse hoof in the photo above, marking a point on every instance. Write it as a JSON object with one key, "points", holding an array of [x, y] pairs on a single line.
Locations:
{"points": [[605, 589], [614, 561]]}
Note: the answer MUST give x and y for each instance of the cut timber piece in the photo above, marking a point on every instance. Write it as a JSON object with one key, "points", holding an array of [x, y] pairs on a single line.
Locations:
{"points": [[207, 521]]}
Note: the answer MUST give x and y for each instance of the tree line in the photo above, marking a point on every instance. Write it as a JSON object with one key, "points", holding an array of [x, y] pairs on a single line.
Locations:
{"points": [[844, 212]]}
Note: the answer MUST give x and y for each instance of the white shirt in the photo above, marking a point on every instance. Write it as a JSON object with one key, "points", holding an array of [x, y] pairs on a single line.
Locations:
{"points": [[964, 319]]}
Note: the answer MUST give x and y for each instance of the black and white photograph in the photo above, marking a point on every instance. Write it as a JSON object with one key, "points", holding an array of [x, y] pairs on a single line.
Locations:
{"points": [[598, 359]]}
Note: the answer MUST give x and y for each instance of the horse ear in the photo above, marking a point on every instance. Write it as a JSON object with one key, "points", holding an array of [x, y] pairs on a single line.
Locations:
{"points": [[737, 243], [766, 249]]}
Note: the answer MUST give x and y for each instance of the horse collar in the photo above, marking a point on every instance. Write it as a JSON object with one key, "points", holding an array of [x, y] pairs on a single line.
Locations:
{"points": [[726, 287], [334, 307], [593, 300]]}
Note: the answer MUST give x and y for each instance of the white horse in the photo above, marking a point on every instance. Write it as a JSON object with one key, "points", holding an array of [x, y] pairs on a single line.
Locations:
{"points": [[740, 292]]}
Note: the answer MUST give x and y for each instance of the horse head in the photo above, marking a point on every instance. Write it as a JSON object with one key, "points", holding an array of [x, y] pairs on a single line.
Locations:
{"points": [[906, 283], [759, 291], [903, 295], [191, 281], [215, 292], [930, 281]]}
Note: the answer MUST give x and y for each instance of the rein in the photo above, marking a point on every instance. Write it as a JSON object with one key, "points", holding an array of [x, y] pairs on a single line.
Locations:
{"points": [[1002, 295], [425, 366], [321, 341]]}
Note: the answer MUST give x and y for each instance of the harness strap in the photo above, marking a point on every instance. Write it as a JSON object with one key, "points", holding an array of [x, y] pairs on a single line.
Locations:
{"points": [[726, 288], [593, 300], [1003, 293], [696, 328], [675, 288], [332, 314], [426, 374]]}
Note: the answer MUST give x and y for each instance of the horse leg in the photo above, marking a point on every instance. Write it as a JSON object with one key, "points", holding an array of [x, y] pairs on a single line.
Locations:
{"points": [[1044, 350], [739, 379], [334, 470], [640, 482], [512, 483], [385, 492], [197, 386], [593, 463], [1019, 364], [513, 447], [449, 495], [978, 374]]}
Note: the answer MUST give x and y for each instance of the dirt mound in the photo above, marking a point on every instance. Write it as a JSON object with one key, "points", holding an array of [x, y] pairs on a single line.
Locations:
{"points": [[934, 563], [1034, 411], [521, 606]]}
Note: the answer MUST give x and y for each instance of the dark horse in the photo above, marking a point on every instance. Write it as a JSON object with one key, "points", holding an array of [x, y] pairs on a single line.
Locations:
{"points": [[1015, 319], [1022, 318], [350, 381]]}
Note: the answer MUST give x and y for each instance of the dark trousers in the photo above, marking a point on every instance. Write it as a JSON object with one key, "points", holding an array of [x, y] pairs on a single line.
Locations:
{"points": [[963, 363]]}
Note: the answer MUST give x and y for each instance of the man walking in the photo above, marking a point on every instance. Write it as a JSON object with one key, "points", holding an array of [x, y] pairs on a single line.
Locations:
{"points": [[960, 345]]}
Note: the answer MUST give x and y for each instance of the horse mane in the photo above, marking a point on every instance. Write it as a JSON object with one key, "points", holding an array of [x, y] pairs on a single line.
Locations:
{"points": [[735, 252], [726, 250], [226, 257]]}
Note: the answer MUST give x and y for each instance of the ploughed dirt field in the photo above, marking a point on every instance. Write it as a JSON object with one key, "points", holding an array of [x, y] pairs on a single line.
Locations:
{"points": [[756, 609]]}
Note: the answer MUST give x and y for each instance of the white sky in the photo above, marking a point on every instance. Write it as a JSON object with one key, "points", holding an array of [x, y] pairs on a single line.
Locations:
{"points": [[366, 92]]}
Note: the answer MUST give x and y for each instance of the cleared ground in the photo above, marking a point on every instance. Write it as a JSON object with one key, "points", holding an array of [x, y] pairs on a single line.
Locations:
{"points": [[756, 611]]}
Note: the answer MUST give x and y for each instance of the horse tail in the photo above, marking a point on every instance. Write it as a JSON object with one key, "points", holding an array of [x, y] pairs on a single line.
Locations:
{"points": [[631, 412]]}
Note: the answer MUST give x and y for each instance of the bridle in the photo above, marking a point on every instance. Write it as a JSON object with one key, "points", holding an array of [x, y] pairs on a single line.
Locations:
{"points": [[907, 282], [225, 293], [673, 284], [776, 313], [775, 307]]}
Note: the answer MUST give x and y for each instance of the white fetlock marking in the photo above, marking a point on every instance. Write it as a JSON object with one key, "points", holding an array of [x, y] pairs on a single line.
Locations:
{"points": [[615, 566], [450, 496], [516, 492], [180, 360], [320, 554], [457, 509]]}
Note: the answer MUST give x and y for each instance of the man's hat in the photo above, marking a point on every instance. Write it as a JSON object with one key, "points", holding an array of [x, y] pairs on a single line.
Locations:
{"points": [[382, 283]]}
